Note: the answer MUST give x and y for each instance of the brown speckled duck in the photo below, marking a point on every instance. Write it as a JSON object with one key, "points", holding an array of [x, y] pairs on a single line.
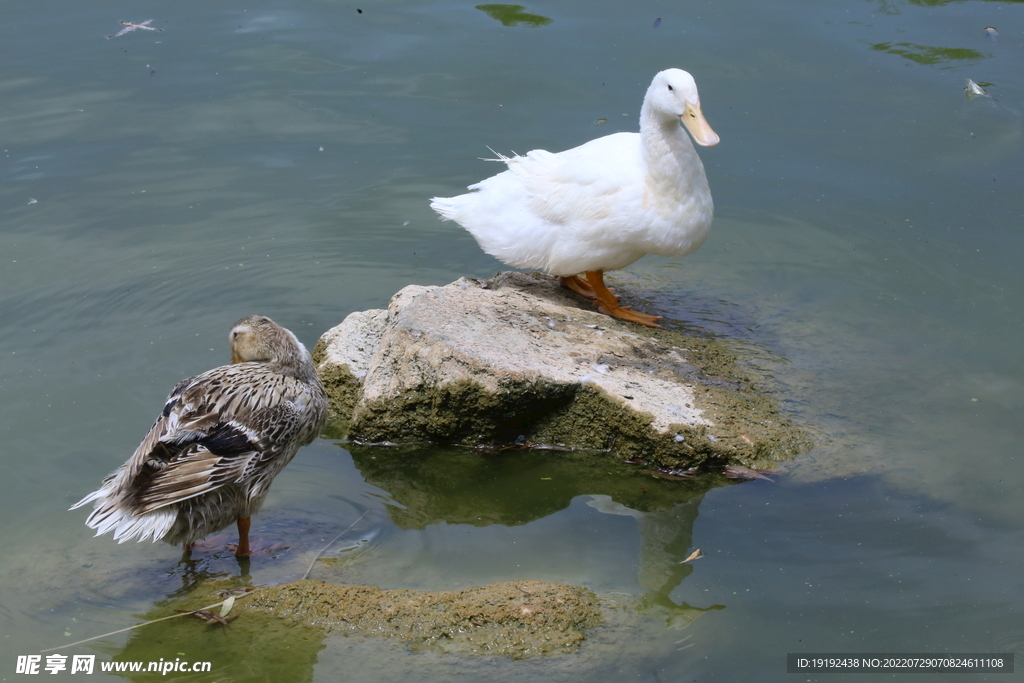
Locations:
{"points": [[219, 442]]}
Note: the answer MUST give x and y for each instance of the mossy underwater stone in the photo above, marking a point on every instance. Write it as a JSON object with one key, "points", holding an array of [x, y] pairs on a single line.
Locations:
{"points": [[515, 619], [517, 357]]}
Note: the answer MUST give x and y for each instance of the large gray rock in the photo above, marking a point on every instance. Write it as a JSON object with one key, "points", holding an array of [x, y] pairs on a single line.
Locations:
{"points": [[517, 357]]}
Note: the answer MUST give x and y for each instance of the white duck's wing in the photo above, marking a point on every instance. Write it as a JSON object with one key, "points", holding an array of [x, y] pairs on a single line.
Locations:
{"points": [[563, 213], [579, 186], [216, 428]]}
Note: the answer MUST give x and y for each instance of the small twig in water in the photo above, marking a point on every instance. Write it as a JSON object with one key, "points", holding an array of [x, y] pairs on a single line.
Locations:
{"points": [[322, 550]]}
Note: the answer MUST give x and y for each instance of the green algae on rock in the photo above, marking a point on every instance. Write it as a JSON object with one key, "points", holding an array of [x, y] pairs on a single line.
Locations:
{"points": [[516, 619], [517, 358]]}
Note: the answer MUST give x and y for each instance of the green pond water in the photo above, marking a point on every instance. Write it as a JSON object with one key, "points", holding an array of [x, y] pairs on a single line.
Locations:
{"points": [[278, 157]]}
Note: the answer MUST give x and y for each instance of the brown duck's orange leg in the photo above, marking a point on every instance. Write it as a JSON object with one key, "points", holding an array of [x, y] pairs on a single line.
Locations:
{"points": [[244, 549], [608, 304], [243, 537]]}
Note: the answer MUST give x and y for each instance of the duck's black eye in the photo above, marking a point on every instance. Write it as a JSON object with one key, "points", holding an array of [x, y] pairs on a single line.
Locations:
{"points": [[670, 88]]}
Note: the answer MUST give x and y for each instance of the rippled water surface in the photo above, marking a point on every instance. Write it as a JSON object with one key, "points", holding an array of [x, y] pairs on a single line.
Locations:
{"points": [[278, 157]]}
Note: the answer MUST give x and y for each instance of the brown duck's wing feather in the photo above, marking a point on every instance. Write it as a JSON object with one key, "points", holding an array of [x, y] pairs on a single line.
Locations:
{"points": [[216, 428], [152, 446]]}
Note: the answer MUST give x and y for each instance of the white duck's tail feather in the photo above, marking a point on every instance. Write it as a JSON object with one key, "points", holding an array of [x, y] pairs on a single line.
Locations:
{"points": [[447, 207]]}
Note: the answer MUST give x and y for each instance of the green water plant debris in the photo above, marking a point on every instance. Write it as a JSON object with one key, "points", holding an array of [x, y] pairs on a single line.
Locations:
{"points": [[941, 3], [513, 15], [516, 619], [925, 54]]}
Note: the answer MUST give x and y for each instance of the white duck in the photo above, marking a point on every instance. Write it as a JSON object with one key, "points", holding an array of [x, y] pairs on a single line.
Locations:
{"points": [[217, 445], [604, 204]]}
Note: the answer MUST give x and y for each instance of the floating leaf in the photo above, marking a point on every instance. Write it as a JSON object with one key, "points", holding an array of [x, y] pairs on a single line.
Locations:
{"points": [[974, 90], [226, 607], [695, 555]]}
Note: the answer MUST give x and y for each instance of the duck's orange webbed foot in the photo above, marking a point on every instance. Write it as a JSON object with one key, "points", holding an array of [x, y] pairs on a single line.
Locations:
{"points": [[253, 551], [210, 544], [608, 303], [627, 313]]}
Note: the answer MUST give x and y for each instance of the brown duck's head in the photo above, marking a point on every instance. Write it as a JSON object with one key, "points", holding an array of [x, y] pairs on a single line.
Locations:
{"points": [[260, 339]]}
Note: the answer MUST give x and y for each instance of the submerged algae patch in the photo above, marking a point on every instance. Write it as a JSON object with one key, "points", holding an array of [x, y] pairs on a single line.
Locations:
{"points": [[279, 650], [514, 619]]}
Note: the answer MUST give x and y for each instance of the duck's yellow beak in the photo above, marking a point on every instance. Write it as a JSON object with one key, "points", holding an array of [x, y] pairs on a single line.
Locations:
{"points": [[695, 122]]}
